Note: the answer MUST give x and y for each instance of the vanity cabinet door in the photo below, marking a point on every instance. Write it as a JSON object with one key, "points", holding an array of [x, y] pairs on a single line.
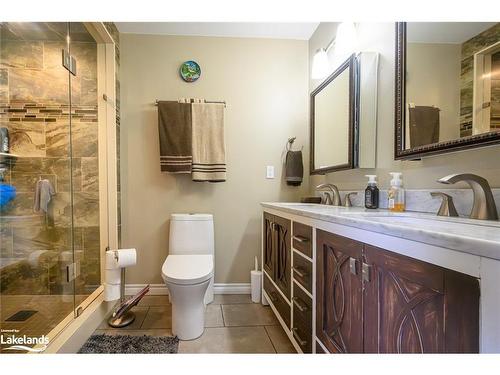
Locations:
{"points": [[412, 306], [283, 249], [339, 323], [269, 255]]}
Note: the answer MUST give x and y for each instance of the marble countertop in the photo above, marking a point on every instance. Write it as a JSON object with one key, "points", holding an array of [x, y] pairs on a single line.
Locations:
{"points": [[477, 237]]}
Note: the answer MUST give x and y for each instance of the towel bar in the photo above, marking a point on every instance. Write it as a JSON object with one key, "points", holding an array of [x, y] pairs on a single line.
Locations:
{"points": [[206, 101]]}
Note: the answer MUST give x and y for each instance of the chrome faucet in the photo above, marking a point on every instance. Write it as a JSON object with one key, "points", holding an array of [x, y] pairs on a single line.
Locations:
{"points": [[484, 206], [334, 198]]}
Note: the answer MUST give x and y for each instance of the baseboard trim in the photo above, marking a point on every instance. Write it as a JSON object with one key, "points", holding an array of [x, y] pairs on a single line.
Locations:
{"points": [[232, 288], [154, 289], [161, 289]]}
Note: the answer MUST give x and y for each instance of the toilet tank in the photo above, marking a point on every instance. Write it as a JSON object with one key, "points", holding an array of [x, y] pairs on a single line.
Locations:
{"points": [[191, 234]]}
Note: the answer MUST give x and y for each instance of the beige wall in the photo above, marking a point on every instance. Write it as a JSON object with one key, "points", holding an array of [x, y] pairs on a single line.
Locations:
{"points": [[265, 83], [379, 37]]}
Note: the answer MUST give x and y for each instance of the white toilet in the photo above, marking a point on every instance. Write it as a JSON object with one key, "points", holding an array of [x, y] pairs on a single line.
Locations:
{"points": [[188, 272]]}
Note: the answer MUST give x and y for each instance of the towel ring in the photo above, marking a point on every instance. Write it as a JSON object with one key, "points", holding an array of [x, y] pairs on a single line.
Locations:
{"points": [[290, 142]]}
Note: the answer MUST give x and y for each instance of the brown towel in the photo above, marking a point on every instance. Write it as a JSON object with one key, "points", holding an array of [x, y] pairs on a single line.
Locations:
{"points": [[209, 154], [174, 126], [424, 125], [294, 169]]}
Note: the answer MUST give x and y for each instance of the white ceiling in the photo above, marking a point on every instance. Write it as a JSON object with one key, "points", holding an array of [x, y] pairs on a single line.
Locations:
{"points": [[444, 32], [282, 30]]}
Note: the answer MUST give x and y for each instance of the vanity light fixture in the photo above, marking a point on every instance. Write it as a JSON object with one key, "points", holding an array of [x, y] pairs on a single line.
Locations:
{"points": [[345, 44], [321, 64]]}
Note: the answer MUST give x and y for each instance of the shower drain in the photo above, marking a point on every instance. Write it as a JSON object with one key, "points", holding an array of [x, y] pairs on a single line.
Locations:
{"points": [[21, 316]]}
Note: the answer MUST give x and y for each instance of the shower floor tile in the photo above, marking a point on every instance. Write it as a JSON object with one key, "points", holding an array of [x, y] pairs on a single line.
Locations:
{"points": [[51, 310]]}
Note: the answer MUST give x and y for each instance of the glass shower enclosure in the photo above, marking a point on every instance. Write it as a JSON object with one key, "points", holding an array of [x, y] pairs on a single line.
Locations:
{"points": [[51, 214]]}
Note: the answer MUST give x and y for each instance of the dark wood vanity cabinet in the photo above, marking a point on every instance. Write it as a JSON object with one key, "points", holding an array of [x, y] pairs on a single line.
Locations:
{"points": [[412, 306], [371, 300], [277, 251], [268, 255], [339, 294]]}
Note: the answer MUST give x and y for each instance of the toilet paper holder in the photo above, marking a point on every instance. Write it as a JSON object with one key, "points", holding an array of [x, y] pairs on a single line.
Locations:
{"points": [[123, 316]]}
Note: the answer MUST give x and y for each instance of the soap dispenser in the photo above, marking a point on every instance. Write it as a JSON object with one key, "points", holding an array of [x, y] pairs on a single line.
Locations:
{"points": [[371, 192], [396, 193]]}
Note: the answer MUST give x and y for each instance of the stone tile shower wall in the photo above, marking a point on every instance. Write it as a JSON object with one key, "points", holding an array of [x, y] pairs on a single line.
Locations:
{"points": [[35, 107], [469, 48]]}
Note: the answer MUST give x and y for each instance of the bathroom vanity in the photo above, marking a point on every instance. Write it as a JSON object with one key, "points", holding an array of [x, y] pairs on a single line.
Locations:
{"points": [[349, 280]]}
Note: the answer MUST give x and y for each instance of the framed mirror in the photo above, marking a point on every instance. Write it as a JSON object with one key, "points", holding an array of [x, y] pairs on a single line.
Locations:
{"points": [[447, 94], [333, 121]]}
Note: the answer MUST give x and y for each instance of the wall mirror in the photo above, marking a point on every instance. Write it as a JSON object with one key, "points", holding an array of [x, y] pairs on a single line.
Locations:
{"points": [[447, 87], [333, 121]]}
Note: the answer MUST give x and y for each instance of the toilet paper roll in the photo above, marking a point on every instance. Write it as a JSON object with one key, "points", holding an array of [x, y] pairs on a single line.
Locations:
{"points": [[126, 257], [35, 257], [111, 292], [255, 279], [113, 277], [111, 260]]}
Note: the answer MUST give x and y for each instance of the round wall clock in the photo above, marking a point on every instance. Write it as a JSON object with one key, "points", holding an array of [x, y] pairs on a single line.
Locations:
{"points": [[190, 71]]}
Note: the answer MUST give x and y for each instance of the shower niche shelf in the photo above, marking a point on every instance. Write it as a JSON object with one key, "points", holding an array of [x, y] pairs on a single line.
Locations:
{"points": [[6, 156]]}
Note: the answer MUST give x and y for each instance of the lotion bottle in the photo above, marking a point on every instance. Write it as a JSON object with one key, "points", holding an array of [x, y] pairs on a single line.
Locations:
{"points": [[396, 193], [371, 192]]}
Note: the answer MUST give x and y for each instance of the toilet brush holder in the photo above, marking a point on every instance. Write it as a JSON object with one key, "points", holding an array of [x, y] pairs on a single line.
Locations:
{"points": [[122, 316]]}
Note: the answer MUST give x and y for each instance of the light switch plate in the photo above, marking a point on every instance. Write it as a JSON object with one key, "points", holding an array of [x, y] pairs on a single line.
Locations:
{"points": [[270, 171]]}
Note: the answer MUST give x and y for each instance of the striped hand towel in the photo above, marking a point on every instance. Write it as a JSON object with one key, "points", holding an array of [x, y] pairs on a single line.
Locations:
{"points": [[209, 154], [174, 126]]}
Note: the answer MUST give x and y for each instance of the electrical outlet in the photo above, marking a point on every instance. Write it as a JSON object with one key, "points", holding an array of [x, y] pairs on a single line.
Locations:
{"points": [[270, 171]]}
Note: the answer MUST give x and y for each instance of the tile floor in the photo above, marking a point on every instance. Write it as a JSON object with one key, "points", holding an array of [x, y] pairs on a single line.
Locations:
{"points": [[233, 325]]}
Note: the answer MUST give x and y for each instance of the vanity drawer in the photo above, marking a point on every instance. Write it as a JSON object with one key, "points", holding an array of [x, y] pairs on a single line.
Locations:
{"points": [[302, 238], [302, 319], [302, 305], [302, 333], [302, 271], [277, 300]]}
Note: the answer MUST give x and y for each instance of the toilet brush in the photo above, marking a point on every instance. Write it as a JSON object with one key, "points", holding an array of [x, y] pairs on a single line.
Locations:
{"points": [[255, 282]]}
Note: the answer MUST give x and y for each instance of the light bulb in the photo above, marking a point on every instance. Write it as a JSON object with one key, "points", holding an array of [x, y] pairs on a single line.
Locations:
{"points": [[345, 42], [320, 65]]}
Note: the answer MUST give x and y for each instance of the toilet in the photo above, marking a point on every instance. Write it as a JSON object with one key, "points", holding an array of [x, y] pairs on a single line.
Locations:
{"points": [[188, 272]]}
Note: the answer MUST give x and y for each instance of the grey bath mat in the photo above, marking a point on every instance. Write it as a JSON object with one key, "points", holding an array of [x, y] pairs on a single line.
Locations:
{"points": [[130, 344]]}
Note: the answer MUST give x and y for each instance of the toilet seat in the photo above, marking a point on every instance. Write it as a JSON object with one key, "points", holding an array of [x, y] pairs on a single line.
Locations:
{"points": [[187, 269]]}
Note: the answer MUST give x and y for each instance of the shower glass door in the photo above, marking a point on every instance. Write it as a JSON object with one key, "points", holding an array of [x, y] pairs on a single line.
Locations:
{"points": [[49, 185], [84, 141]]}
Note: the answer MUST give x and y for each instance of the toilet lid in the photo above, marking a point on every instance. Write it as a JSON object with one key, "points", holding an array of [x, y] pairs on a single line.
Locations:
{"points": [[188, 269]]}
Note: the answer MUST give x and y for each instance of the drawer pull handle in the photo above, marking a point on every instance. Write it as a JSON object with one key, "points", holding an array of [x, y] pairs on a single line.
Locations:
{"points": [[299, 271], [352, 266], [301, 305], [301, 239], [273, 297], [298, 338]]}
